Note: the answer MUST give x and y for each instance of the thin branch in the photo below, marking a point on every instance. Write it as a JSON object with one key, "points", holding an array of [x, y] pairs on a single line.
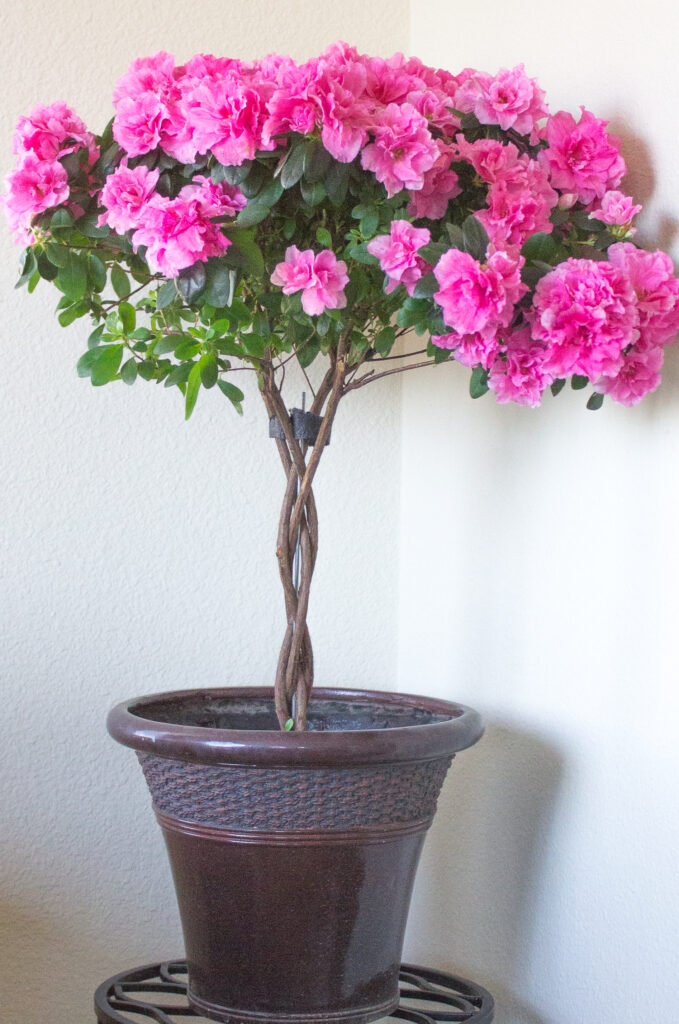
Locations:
{"points": [[403, 355], [369, 378]]}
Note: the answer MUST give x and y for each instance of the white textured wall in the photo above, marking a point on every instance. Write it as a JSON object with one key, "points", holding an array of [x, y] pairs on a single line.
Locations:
{"points": [[539, 561], [137, 551]]}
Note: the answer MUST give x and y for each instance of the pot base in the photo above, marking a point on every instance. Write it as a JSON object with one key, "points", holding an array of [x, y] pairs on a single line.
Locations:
{"points": [[240, 1016], [162, 987]]}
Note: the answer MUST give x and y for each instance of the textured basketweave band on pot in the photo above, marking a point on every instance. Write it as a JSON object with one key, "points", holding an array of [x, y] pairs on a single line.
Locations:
{"points": [[267, 799]]}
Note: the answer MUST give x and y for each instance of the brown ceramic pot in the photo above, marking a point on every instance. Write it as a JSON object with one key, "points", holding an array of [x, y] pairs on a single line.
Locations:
{"points": [[294, 854]]}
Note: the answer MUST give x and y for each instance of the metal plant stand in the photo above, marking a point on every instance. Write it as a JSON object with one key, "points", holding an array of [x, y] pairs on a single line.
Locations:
{"points": [[158, 992]]}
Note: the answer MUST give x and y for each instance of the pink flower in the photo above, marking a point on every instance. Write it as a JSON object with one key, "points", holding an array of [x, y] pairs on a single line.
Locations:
{"points": [[50, 132], [344, 112], [492, 160], [221, 200], [224, 115], [145, 74], [519, 204], [518, 373], [321, 279], [586, 312], [177, 234], [440, 185], [615, 208], [510, 99], [124, 196], [651, 275], [638, 375], [138, 123], [35, 185], [582, 157], [475, 297], [403, 149], [469, 349], [397, 253], [293, 106]]}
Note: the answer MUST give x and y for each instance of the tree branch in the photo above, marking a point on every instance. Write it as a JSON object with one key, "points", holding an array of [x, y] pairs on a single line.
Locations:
{"points": [[371, 377]]}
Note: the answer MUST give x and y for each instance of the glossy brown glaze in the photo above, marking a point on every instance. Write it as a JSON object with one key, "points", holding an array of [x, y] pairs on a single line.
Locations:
{"points": [[294, 875], [296, 932]]}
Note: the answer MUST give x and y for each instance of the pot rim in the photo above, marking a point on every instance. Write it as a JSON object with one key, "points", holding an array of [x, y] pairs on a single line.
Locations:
{"points": [[262, 748]]}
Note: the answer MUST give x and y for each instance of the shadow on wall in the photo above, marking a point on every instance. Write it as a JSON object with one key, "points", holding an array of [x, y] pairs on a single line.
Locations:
{"points": [[474, 903]]}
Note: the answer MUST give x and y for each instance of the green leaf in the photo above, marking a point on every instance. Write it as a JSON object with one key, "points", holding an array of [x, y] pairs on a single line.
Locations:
{"points": [[72, 277], [61, 220], [57, 254], [254, 181], [120, 282], [456, 236], [361, 255], [324, 238], [475, 238], [292, 168], [595, 401], [191, 282], [128, 371], [234, 394], [244, 253], [106, 363], [337, 182], [271, 193], [384, 341], [317, 160], [557, 386], [412, 312], [47, 270], [96, 271], [67, 316], [187, 349], [425, 287], [234, 175], [368, 222], [84, 365], [146, 369], [220, 284], [95, 337], [241, 312], [178, 374], [578, 382], [208, 370], [88, 226], [128, 317], [28, 265], [313, 192], [307, 353], [540, 246], [192, 389], [290, 725], [253, 345], [254, 213], [478, 382], [433, 252], [166, 295]]}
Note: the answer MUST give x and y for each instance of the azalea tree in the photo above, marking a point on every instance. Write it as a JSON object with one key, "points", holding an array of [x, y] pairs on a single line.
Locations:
{"points": [[238, 216]]}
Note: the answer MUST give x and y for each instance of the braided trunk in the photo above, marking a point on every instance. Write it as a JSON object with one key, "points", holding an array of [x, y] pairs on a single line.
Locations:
{"points": [[298, 526]]}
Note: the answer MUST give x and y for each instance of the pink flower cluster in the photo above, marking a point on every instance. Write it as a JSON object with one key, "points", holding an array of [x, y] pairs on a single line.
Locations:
{"points": [[509, 99], [520, 197], [397, 253], [39, 181], [606, 320], [320, 278], [176, 232], [401, 124]]}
